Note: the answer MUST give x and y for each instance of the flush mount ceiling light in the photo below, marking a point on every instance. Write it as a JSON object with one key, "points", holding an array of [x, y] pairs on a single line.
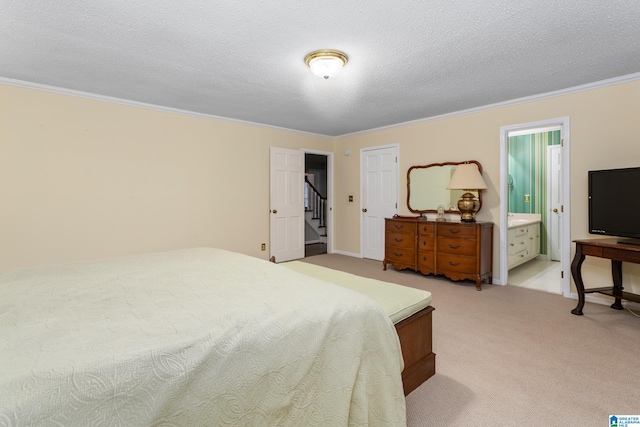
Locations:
{"points": [[326, 63]]}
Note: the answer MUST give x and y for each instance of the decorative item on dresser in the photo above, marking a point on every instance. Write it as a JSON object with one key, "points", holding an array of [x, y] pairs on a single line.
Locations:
{"points": [[467, 177], [457, 250]]}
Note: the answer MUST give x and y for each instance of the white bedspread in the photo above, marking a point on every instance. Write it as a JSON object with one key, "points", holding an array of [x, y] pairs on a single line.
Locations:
{"points": [[198, 337], [399, 302]]}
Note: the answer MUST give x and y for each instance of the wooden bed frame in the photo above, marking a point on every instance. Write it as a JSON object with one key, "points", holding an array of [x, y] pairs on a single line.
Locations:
{"points": [[416, 337]]}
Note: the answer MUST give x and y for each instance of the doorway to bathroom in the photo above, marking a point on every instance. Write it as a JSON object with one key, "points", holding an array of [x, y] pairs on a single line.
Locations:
{"points": [[534, 164]]}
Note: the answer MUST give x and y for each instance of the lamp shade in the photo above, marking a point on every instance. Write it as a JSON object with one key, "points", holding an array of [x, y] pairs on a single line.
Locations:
{"points": [[467, 177]]}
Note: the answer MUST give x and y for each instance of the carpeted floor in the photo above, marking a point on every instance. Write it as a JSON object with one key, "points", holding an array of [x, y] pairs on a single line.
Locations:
{"points": [[510, 356]]}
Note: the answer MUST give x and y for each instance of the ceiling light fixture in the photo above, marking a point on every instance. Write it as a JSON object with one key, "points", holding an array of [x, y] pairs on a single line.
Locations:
{"points": [[326, 63]]}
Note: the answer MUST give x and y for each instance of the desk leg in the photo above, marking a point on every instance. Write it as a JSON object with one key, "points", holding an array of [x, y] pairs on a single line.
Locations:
{"points": [[616, 272], [576, 272]]}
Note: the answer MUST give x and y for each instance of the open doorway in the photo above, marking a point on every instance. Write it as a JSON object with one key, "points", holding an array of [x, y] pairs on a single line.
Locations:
{"points": [[316, 204], [534, 170], [534, 184], [290, 197]]}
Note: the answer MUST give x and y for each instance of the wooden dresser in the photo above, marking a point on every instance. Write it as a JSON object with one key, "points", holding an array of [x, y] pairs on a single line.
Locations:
{"points": [[457, 250]]}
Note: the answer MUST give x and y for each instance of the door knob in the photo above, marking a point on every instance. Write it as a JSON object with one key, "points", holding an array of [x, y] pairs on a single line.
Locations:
{"points": [[555, 210], [275, 211], [364, 210]]}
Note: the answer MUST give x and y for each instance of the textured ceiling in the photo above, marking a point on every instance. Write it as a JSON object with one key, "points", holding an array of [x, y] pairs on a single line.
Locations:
{"points": [[244, 60]]}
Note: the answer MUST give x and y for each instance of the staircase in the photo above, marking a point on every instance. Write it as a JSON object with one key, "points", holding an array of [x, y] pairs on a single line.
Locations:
{"points": [[315, 215]]}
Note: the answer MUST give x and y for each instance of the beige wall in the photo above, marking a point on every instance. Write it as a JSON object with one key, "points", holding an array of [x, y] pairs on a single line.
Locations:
{"points": [[605, 133], [82, 179]]}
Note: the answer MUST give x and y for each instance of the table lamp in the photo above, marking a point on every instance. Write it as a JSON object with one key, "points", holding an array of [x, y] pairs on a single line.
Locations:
{"points": [[467, 177]]}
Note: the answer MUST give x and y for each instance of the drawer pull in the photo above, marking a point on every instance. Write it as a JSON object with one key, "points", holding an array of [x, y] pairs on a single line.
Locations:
{"points": [[398, 240], [454, 246], [398, 227], [454, 231], [454, 263], [424, 258], [398, 254]]}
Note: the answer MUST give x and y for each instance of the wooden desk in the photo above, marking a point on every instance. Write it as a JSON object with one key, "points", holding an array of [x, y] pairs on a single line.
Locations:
{"points": [[608, 249]]}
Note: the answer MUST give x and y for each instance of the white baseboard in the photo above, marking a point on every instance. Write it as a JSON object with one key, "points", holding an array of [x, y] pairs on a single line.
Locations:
{"points": [[347, 254]]}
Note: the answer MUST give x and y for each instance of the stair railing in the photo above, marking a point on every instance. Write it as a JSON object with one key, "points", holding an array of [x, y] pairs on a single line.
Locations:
{"points": [[316, 203]]}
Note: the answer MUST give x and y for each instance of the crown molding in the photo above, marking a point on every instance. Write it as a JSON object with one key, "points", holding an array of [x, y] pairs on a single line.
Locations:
{"points": [[581, 88], [88, 95], [128, 102]]}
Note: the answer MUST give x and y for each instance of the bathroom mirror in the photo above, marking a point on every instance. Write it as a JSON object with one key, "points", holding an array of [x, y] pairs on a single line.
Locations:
{"points": [[427, 188]]}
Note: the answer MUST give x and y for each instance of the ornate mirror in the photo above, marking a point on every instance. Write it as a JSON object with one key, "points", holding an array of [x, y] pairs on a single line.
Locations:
{"points": [[427, 188]]}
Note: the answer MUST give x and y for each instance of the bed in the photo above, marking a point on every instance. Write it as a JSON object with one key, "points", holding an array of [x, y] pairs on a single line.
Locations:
{"points": [[193, 337], [408, 308]]}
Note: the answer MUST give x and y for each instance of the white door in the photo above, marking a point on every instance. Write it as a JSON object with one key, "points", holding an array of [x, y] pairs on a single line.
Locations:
{"points": [[379, 197], [287, 204], [554, 168]]}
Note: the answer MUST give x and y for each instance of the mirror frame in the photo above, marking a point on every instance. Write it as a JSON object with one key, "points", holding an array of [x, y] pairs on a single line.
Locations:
{"points": [[423, 211]]}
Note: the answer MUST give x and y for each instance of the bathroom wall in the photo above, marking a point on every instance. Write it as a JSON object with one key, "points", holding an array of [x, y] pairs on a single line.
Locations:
{"points": [[528, 176]]}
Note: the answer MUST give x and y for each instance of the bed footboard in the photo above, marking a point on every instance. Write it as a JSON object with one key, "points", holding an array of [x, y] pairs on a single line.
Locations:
{"points": [[415, 335]]}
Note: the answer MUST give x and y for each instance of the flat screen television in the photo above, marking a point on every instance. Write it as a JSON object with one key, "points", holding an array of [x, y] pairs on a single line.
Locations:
{"points": [[614, 203]]}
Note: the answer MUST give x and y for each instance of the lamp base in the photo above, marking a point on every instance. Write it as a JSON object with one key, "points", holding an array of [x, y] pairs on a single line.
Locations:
{"points": [[468, 205]]}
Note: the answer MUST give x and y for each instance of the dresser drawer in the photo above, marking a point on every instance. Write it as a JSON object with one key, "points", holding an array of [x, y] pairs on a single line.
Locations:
{"points": [[404, 255], [426, 243], [400, 240], [400, 227], [457, 246], [426, 262], [426, 229], [456, 230], [460, 264]]}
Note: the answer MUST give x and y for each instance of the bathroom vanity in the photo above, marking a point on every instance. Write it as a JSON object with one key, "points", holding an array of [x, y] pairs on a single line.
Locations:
{"points": [[523, 238]]}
